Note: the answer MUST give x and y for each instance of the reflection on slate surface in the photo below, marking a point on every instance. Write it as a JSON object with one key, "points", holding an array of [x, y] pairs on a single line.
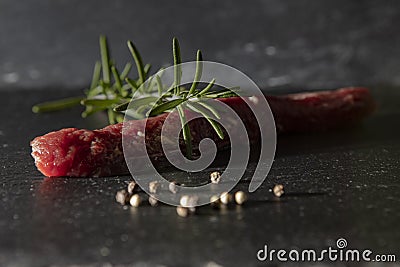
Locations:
{"points": [[277, 43], [338, 184]]}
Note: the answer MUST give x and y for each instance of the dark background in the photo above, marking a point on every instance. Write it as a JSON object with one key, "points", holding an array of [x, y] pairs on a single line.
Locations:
{"points": [[313, 44], [337, 184]]}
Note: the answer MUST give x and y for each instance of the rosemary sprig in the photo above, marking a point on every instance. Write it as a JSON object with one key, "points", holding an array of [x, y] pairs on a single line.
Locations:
{"points": [[116, 93]]}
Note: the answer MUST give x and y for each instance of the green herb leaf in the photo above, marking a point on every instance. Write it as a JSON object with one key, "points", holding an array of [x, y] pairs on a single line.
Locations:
{"points": [[125, 71], [207, 88], [105, 59], [219, 95], [199, 109], [117, 79], [99, 102], [56, 105], [210, 108], [198, 73], [166, 106], [111, 116], [147, 69], [90, 110], [138, 60], [177, 61], [230, 92], [132, 83], [96, 75], [159, 85], [187, 136], [136, 103]]}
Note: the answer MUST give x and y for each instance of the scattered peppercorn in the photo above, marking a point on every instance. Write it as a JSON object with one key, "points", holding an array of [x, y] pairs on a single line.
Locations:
{"points": [[278, 190], [240, 197], [189, 201], [182, 211], [122, 196], [153, 201], [173, 188], [153, 186], [184, 200], [226, 198], [134, 200], [215, 177], [131, 187]]}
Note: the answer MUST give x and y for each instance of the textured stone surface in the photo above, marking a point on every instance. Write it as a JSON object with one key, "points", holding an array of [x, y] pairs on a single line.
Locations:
{"points": [[338, 184]]}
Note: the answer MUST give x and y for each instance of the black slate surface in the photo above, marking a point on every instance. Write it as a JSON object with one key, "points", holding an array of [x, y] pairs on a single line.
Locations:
{"points": [[338, 184]]}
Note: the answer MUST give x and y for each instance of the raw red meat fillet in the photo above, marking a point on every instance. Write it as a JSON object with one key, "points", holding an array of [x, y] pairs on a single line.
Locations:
{"points": [[82, 153]]}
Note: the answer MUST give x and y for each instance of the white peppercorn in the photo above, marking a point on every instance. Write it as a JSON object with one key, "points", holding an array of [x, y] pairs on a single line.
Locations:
{"points": [[134, 200], [215, 177], [182, 211], [131, 187], [226, 198], [240, 197], [153, 186], [278, 190], [121, 196]]}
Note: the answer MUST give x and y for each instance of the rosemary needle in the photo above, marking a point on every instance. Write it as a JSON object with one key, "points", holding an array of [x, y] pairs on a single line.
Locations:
{"points": [[203, 112], [126, 71], [166, 106], [105, 60], [57, 104], [198, 73], [207, 88], [96, 75], [177, 61], [117, 78], [159, 85], [138, 60]]}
